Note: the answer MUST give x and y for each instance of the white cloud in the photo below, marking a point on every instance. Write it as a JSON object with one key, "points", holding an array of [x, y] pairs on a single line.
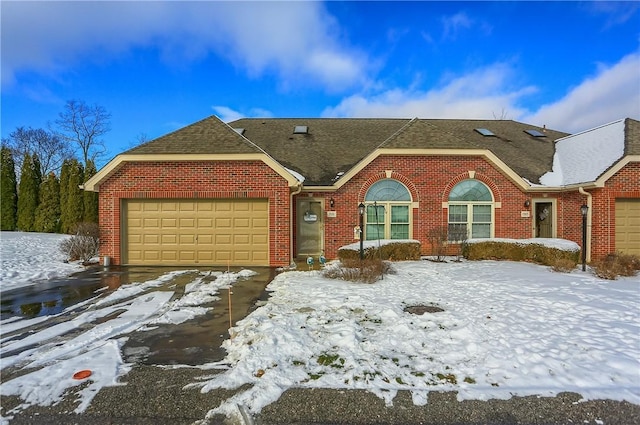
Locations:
{"points": [[454, 24], [483, 93], [613, 93], [227, 114], [294, 40], [491, 92]]}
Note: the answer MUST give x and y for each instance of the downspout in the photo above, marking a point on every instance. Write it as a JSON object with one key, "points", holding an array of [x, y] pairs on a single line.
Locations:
{"points": [[291, 218], [589, 215]]}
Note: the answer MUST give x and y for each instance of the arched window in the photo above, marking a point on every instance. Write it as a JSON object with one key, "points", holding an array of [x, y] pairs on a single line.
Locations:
{"points": [[470, 211], [387, 215]]}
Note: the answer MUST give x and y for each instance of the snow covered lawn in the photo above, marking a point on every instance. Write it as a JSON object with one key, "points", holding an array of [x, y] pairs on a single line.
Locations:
{"points": [[507, 329], [29, 258]]}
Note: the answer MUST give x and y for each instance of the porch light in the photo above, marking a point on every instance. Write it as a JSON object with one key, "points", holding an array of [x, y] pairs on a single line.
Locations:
{"points": [[584, 209]]}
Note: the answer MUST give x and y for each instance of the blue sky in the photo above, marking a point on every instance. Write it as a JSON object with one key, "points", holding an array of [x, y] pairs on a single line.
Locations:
{"points": [[157, 66]]}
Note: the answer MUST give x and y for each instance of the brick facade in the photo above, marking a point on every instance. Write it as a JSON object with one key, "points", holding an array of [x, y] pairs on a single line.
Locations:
{"points": [[429, 180], [195, 180]]}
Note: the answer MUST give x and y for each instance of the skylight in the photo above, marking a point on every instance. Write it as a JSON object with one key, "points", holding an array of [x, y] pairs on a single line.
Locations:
{"points": [[240, 131], [485, 132], [300, 129], [535, 133]]}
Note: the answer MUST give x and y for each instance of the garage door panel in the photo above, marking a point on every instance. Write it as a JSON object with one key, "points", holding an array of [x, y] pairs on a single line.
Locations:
{"points": [[242, 239], [213, 232], [241, 223], [223, 223], [259, 239]]}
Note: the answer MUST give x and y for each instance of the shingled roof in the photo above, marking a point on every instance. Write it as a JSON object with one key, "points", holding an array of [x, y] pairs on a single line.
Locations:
{"points": [[208, 136], [335, 145], [332, 146]]}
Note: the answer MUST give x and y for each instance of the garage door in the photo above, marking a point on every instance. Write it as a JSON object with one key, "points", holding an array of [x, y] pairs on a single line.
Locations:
{"points": [[628, 226], [197, 232]]}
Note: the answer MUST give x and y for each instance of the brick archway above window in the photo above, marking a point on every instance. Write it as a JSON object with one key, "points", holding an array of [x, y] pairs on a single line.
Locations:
{"points": [[497, 199], [384, 175]]}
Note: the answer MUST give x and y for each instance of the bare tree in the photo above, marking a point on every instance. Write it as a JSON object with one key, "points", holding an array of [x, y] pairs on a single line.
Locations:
{"points": [[83, 125], [50, 149]]}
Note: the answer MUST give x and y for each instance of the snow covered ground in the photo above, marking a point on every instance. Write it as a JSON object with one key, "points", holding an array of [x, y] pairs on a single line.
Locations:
{"points": [[506, 329], [28, 258]]}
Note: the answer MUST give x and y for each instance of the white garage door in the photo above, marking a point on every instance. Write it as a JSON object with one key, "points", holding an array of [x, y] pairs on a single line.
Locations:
{"points": [[197, 232], [628, 226]]}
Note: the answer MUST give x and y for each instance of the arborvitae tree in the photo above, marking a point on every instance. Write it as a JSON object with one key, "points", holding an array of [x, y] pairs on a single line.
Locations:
{"points": [[28, 194], [64, 194], [90, 198], [37, 168], [48, 213], [8, 191], [75, 202]]}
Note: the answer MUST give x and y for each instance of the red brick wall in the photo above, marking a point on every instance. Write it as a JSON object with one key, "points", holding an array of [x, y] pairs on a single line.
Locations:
{"points": [[429, 179], [190, 180]]}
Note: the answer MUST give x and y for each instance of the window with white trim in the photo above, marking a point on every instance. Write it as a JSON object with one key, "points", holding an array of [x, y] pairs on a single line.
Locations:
{"points": [[470, 211], [387, 213]]}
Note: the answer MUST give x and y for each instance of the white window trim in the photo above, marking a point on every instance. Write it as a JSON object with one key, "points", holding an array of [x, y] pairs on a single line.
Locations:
{"points": [[469, 222], [386, 219]]}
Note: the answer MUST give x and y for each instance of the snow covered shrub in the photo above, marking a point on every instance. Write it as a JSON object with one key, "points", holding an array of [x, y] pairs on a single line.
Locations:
{"points": [[368, 270], [563, 265], [515, 251], [398, 250], [84, 244], [616, 264]]}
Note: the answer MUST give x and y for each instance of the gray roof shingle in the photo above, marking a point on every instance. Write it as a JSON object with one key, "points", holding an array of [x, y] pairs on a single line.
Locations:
{"points": [[208, 136], [335, 145]]}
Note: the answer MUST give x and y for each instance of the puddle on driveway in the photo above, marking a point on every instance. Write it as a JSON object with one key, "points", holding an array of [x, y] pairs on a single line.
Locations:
{"points": [[193, 342]]}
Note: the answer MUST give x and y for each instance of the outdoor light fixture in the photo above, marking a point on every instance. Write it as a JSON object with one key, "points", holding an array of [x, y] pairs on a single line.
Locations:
{"points": [[584, 209], [361, 212], [332, 203], [527, 203]]}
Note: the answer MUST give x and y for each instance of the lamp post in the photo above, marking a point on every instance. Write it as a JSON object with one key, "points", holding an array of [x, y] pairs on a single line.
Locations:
{"points": [[361, 212], [584, 209]]}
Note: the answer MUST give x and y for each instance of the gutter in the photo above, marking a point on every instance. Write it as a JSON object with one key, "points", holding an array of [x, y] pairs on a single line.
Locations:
{"points": [[291, 218], [589, 216]]}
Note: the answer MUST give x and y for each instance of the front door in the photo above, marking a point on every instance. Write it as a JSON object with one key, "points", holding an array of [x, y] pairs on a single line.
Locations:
{"points": [[310, 224], [544, 220]]}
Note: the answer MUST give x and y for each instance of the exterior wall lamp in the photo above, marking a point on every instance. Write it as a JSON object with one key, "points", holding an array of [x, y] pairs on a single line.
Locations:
{"points": [[332, 203], [527, 203], [361, 212], [584, 209]]}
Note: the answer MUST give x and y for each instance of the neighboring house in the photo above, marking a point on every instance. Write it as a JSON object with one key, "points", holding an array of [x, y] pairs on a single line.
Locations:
{"points": [[262, 192]]}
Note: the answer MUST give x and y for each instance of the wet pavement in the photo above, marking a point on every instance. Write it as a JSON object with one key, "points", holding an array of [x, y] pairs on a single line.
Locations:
{"points": [[193, 342]]}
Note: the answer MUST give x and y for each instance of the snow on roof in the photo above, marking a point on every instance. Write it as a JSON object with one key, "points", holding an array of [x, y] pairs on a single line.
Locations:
{"points": [[297, 175], [583, 157]]}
